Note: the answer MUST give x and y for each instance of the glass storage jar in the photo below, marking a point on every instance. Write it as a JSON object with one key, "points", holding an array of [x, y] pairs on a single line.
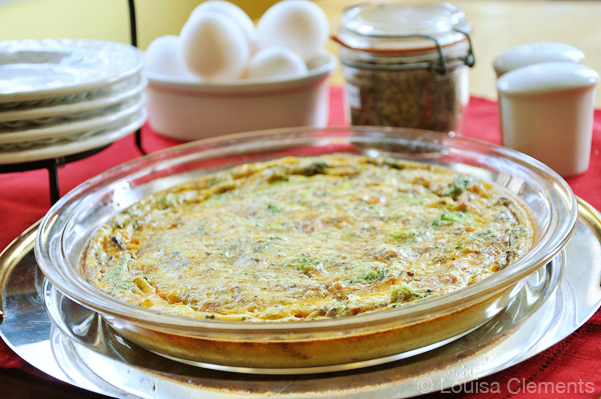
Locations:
{"points": [[405, 65]]}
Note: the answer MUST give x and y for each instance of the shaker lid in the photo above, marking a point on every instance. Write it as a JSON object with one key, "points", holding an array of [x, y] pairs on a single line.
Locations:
{"points": [[547, 78], [536, 53], [402, 26]]}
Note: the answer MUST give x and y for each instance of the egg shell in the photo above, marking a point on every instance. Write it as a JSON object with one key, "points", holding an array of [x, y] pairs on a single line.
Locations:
{"points": [[214, 47], [276, 63], [235, 13], [299, 25], [164, 56]]}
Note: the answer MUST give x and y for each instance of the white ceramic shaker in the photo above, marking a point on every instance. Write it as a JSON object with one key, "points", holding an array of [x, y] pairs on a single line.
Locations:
{"points": [[546, 111], [536, 53]]}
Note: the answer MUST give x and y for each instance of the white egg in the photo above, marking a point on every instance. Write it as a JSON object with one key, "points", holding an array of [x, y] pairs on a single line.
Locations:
{"points": [[164, 56], [299, 25], [234, 12], [214, 47], [276, 63]]}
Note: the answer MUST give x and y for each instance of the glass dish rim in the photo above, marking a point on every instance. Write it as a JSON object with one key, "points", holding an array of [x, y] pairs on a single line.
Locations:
{"points": [[112, 307]]}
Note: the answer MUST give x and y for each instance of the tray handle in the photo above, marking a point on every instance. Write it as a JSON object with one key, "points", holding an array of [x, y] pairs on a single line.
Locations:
{"points": [[10, 257], [593, 216]]}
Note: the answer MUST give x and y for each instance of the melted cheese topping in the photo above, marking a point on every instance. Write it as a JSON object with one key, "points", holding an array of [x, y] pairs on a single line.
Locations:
{"points": [[308, 238]]}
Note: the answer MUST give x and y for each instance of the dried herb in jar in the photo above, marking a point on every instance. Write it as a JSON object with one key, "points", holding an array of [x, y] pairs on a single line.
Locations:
{"points": [[418, 98], [406, 65]]}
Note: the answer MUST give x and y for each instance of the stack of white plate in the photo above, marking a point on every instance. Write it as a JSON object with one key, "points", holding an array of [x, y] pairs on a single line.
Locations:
{"points": [[62, 97]]}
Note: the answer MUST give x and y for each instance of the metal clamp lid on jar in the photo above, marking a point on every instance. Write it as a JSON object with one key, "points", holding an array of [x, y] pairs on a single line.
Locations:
{"points": [[397, 28]]}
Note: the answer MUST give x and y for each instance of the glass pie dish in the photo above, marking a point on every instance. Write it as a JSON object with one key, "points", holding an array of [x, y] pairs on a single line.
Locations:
{"points": [[337, 343]]}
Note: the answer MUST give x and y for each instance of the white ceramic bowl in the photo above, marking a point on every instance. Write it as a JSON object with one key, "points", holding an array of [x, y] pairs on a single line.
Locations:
{"points": [[188, 110]]}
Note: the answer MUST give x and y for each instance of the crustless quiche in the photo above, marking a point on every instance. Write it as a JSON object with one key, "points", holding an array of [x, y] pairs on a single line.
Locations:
{"points": [[308, 238]]}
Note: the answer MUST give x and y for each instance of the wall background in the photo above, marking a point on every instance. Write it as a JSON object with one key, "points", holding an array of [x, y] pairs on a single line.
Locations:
{"points": [[498, 25], [102, 19]]}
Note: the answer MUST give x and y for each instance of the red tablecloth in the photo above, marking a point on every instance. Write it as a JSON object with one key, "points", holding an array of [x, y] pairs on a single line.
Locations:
{"points": [[575, 362]]}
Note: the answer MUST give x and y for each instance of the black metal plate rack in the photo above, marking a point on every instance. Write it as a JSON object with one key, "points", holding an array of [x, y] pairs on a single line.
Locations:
{"points": [[53, 164]]}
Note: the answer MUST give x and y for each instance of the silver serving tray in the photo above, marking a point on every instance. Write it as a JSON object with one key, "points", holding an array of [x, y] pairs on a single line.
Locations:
{"points": [[90, 354]]}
